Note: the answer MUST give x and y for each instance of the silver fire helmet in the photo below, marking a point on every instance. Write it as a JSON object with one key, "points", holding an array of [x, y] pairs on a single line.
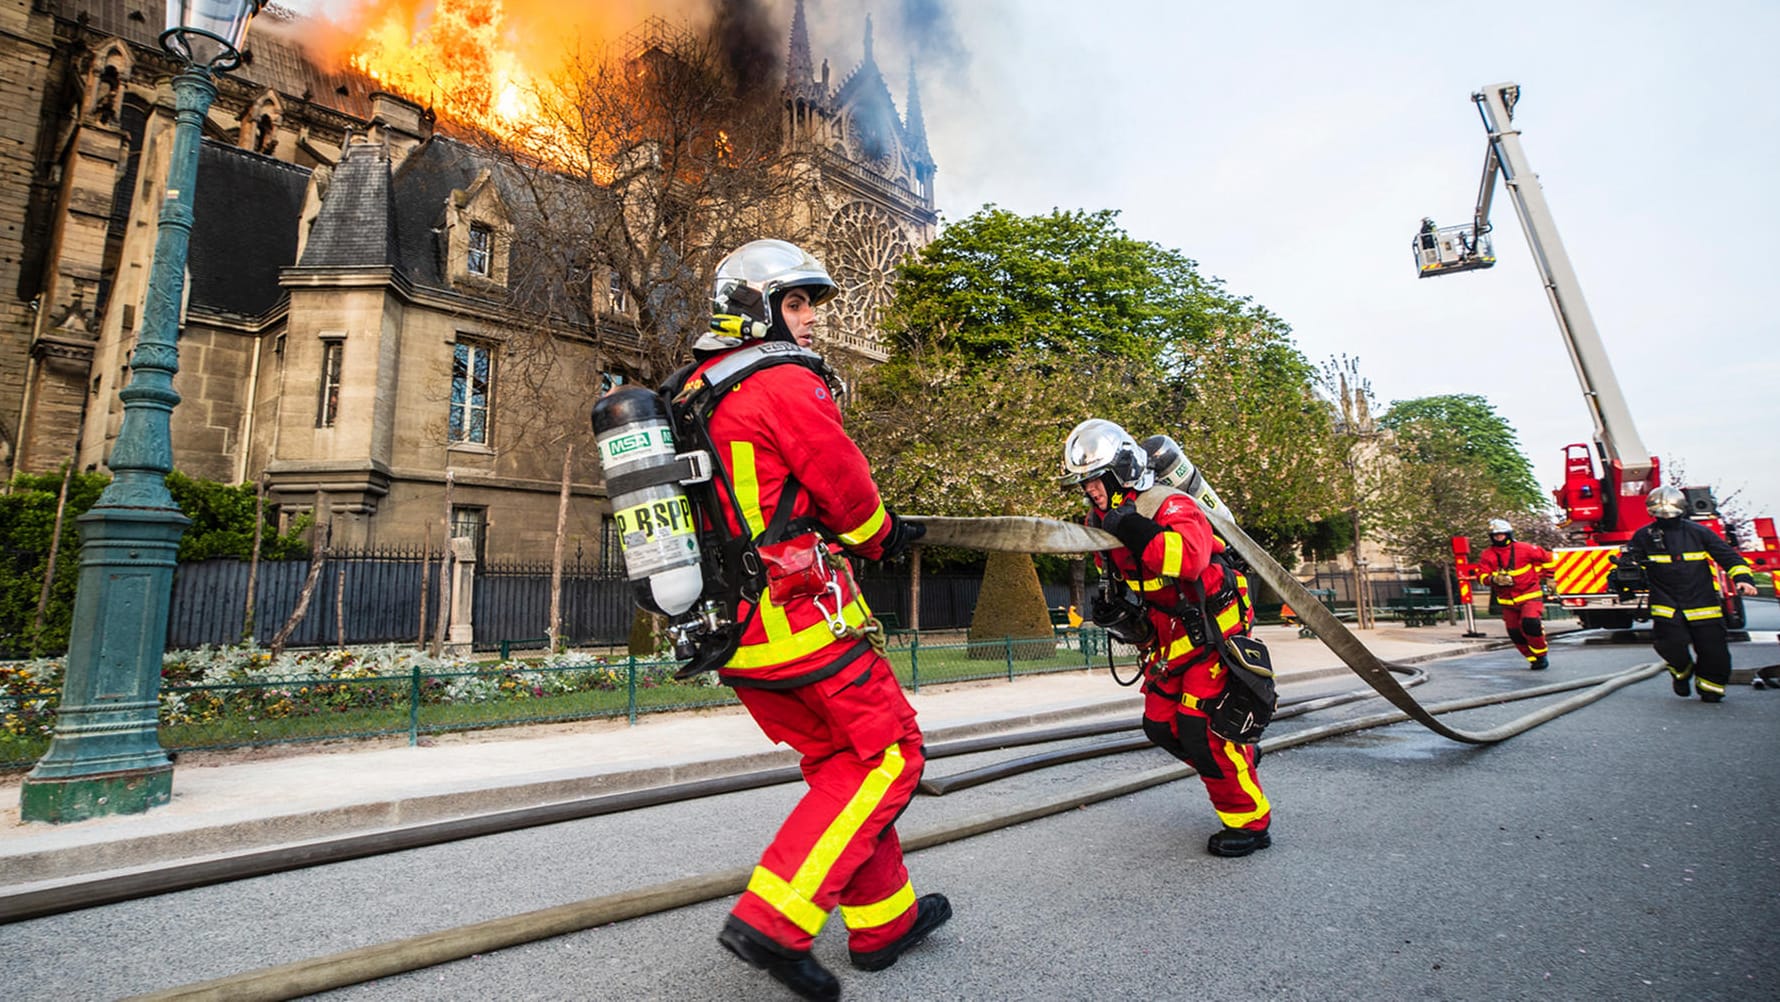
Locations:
{"points": [[1098, 447], [752, 274], [1666, 502]]}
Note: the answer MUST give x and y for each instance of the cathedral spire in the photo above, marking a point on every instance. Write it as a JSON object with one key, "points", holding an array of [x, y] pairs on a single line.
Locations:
{"points": [[916, 127], [798, 69], [868, 56]]}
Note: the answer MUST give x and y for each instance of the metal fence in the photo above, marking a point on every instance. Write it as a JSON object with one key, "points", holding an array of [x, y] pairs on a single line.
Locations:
{"points": [[376, 597]]}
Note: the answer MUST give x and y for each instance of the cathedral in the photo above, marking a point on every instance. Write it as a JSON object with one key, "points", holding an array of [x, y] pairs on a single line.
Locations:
{"points": [[349, 335]]}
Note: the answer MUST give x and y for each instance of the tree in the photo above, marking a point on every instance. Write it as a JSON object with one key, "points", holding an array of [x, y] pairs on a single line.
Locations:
{"points": [[1011, 330], [1479, 437]]}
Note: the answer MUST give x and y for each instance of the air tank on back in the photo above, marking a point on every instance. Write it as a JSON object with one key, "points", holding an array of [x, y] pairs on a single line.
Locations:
{"points": [[1175, 470], [656, 527]]}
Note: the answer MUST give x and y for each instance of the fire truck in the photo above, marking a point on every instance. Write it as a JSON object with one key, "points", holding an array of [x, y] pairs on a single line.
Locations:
{"points": [[1601, 511]]}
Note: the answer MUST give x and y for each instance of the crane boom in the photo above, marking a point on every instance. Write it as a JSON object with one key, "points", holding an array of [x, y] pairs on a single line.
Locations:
{"points": [[1615, 433]]}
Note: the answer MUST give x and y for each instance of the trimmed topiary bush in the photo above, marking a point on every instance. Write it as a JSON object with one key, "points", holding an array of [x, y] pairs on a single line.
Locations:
{"points": [[1011, 604]]}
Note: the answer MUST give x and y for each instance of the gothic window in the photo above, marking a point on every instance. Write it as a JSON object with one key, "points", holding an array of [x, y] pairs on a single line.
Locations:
{"points": [[480, 245], [615, 292], [865, 245], [611, 551], [472, 392], [328, 407]]}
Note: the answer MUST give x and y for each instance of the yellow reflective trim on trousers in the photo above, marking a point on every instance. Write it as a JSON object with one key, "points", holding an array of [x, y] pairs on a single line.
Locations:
{"points": [[774, 890], [1665, 611], [1710, 612], [880, 913], [1246, 778], [845, 826], [1172, 554], [1705, 686], [867, 529], [745, 475], [809, 640], [1679, 672]]}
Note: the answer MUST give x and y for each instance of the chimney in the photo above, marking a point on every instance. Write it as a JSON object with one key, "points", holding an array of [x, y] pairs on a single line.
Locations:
{"points": [[404, 123]]}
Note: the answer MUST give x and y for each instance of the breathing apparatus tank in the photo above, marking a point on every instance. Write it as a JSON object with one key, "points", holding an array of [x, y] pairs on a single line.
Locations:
{"points": [[657, 528], [1175, 470]]}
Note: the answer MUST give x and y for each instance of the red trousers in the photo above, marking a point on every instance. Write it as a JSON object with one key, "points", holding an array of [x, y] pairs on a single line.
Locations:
{"points": [[862, 759], [1526, 628], [1173, 722]]}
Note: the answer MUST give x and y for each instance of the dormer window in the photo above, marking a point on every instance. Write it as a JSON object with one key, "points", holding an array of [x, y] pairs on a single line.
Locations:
{"points": [[480, 250]]}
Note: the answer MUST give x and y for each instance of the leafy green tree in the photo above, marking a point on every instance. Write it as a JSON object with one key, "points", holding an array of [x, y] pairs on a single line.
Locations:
{"points": [[1010, 330], [1479, 437]]}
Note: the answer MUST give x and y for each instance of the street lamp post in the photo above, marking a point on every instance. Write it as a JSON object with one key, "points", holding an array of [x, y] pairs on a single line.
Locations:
{"points": [[106, 757]]}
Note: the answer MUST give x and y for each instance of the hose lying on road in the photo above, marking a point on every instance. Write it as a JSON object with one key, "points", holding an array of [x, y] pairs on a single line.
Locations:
{"points": [[325, 973]]}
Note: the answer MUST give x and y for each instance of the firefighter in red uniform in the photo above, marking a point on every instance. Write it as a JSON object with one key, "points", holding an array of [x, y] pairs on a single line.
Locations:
{"points": [[1170, 559], [1513, 569], [805, 667], [1685, 607]]}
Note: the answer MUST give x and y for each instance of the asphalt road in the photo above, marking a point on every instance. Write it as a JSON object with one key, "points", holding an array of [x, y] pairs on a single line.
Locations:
{"points": [[1629, 850]]}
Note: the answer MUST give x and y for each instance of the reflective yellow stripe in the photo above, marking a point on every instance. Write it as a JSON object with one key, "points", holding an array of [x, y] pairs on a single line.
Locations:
{"points": [[1658, 558], [846, 824], [809, 640], [1705, 686], [1530, 596], [1180, 648], [1679, 672], [1665, 611], [774, 890], [1742, 569], [1246, 778], [867, 529], [1152, 584], [1228, 619], [1172, 554], [1710, 612], [883, 912], [1522, 569], [1694, 555], [747, 491], [747, 485]]}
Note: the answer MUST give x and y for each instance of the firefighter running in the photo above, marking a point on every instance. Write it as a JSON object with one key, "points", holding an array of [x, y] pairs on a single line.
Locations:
{"points": [[806, 668], [1677, 556], [1175, 565], [1513, 569]]}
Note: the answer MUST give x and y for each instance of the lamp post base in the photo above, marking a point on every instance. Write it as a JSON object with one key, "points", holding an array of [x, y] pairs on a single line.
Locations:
{"points": [[76, 798]]}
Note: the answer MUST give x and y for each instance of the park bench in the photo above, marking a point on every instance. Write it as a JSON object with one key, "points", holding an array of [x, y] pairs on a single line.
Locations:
{"points": [[1416, 607], [1326, 596]]}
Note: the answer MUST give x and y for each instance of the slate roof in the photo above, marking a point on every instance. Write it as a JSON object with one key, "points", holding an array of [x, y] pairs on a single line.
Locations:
{"points": [[357, 223], [244, 228]]}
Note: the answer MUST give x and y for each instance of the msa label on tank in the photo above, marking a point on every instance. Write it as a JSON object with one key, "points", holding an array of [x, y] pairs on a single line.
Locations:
{"points": [[634, 445], [657, 535]]}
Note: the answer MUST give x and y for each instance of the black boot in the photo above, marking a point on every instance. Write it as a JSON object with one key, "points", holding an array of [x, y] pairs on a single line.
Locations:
{"points": [[931, 912], [1238, 842], [796, 970], [1539, 664], [1681, 683]]}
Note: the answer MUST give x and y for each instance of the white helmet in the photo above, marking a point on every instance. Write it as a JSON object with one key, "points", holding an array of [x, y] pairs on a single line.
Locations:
{"points": [[1500, 526], [1098, 447], [1666, 502], [750, 278]]}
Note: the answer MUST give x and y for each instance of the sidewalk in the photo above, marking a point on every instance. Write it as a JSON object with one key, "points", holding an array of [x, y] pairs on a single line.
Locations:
{"points": [[236, 801]]}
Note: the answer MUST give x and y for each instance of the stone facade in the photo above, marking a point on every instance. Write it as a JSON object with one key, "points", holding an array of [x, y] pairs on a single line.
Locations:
{"points": [[346, 334]]}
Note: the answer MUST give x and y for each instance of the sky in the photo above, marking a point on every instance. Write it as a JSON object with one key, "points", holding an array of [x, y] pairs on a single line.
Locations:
{"points": [[1291, 149]]}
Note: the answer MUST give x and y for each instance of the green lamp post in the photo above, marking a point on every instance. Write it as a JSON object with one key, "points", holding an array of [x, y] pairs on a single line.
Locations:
{"points": [[106, 756]]}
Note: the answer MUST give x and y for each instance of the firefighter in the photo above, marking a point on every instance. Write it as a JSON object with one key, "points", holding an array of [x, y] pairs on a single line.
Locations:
{"points": [[1173, 562], [1677, 556], [806, 668], [1512, 569]]}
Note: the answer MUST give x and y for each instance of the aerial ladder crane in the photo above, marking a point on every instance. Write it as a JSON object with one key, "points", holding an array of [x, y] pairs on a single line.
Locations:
{"points": [[1603, 510]]}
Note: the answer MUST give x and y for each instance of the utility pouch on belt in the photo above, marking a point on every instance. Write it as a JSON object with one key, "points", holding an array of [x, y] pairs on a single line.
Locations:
{"points": [[797, 568], [1244, 709]]}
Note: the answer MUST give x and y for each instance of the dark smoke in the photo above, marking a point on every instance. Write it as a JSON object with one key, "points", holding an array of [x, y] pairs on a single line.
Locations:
{"points": [[748, 35]]}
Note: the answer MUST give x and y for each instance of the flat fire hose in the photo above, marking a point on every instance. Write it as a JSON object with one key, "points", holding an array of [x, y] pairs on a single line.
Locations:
{"points": [[1043, 535]]}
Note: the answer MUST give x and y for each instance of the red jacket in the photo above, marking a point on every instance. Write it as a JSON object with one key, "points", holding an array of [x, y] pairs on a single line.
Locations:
{"points": [[781, 423], [1524, 564], [1181, 552]]}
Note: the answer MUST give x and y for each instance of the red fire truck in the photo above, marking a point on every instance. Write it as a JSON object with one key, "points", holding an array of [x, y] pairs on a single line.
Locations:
{"points": [[1602, 510]]}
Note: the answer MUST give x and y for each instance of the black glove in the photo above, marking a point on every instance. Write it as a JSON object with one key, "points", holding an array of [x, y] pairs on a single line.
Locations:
{"points": [[1132, 529], [902, 534]]}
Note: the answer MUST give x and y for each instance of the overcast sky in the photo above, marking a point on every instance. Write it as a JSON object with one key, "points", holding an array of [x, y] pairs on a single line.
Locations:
{"points": [[1291, 148]]}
